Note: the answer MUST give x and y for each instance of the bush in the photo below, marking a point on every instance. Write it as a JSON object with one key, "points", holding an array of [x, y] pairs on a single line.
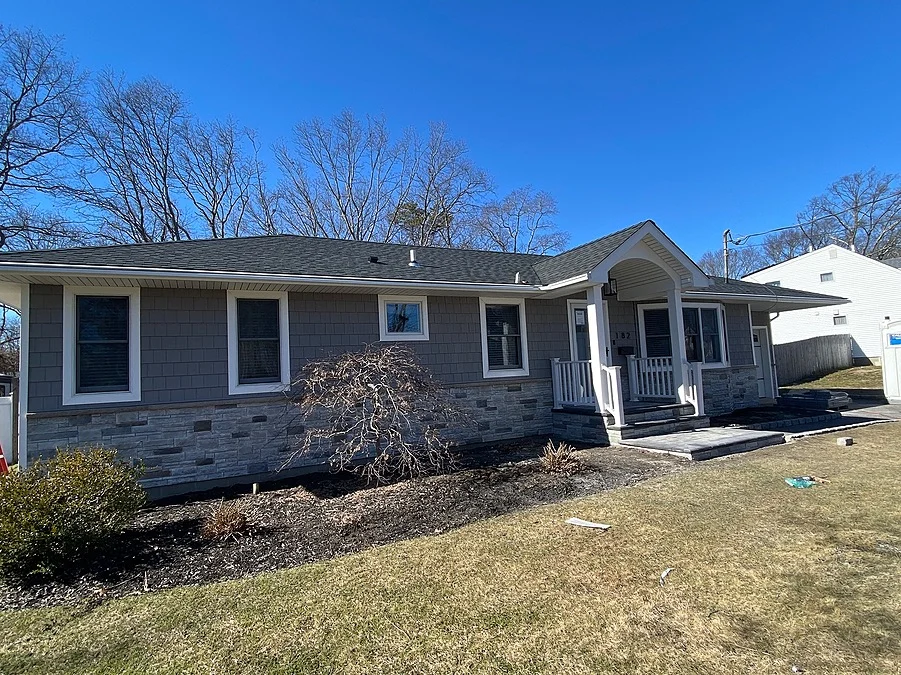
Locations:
{"points": [[226, 520], [385, 416], [558, 458], [57, 513]]}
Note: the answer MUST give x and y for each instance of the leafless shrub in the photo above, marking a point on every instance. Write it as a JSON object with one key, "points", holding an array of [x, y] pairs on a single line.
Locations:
{"points": [[384, 414], [226, 520], [558, 458]]}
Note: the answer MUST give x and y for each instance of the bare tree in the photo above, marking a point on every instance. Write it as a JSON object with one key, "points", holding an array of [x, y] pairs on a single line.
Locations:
{"points": [[862, 209], [343, 179], [445, 193], [742, 261], [40, 114], [217, 175], [377, 411], [522, 222], [129, 184], [264, 210]]}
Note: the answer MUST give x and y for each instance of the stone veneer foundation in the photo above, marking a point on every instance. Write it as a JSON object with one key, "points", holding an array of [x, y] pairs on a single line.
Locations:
{"points": [[190, 447], [728, 389]]}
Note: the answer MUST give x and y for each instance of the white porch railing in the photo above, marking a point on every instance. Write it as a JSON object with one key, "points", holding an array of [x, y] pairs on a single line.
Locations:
{"points": [[574, 386], [651, 378], [572, 383], [694, 386]]}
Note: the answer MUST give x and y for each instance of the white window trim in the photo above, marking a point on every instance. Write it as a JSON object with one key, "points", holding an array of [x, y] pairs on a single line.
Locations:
{"points": [[385, 336], [516, 372], [70, 397], [284, 343], [830, 275], [720, 317]]}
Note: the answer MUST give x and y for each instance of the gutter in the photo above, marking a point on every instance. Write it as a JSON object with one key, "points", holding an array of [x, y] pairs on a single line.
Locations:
{"points": [[775, 299]]}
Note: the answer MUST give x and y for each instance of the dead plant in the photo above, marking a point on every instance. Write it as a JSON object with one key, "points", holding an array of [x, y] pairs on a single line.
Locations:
{"points": [[377, 411], [226, 520], [559, 458]]}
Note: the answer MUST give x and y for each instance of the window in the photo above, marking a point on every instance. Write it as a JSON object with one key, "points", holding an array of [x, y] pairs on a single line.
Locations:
{"points": [[258, 350], [773, 283], [840, 320], [403, 318], [703, 333], [101, 345], [504, 347], [826, 276]]}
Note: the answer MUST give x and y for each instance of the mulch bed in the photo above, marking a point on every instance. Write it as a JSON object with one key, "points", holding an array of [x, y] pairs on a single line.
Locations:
{"points": [[746, 416], [325, 515]]}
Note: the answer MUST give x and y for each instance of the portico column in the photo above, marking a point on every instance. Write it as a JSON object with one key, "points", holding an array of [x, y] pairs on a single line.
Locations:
{"points": [[597, 340], [677, 335]]}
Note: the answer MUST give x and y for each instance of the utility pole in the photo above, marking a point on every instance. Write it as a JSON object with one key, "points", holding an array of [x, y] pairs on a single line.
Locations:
{"points": [[726, 237]]}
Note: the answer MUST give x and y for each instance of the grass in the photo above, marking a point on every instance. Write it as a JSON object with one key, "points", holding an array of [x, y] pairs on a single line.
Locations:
{"points": [[766, 576], [859, 377]]}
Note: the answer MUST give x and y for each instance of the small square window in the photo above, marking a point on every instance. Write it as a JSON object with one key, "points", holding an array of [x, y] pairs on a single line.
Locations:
{"points": [[403, 318], [840, 320], [826, 276]]}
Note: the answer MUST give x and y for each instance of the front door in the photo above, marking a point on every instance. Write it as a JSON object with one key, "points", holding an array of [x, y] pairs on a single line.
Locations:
{"points": [[763, 362], [580, 347]]}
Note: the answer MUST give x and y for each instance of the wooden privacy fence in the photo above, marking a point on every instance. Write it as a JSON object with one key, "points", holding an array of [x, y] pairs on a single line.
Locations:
{"points": [[809, 359]]}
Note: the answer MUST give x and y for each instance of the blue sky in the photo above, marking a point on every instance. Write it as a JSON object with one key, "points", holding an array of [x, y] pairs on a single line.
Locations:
{"points": [[701, 116]]}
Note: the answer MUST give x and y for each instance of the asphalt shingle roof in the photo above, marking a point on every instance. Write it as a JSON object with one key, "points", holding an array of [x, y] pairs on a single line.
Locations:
{"points": [[719, 285], [584, 258], [311, 256]]}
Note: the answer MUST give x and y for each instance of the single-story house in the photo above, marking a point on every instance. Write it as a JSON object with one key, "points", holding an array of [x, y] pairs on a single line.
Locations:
{"points": [[872, 288], [178, 353]]}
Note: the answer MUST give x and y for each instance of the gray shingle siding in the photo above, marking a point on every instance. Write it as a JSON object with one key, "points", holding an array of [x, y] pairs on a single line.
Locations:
{"points": [[184, 351], [738, 335]]}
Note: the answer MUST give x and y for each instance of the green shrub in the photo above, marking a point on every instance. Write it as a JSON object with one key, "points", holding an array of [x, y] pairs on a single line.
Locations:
{"points": [[58, 513]]}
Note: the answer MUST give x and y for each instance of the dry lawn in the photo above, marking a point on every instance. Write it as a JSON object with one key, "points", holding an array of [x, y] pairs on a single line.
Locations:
{"points": [[859, 377], [766, 577]]}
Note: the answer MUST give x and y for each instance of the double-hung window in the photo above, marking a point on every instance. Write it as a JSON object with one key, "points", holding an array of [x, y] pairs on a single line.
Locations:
{"points": [[403, 317], [504, 347], [258, 350], [101, 345], [703, 333]]}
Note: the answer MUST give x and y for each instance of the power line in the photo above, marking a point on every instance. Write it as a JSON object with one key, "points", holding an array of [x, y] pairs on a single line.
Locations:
{"points": [[740, 240]]}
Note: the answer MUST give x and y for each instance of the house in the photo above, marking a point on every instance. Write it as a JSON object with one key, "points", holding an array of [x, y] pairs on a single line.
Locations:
{"points": [[872, 287], [178, 353]]}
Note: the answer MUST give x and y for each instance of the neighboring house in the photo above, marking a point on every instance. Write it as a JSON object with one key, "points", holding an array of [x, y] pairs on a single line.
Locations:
{"points": [[873, 289], [178, 354]]}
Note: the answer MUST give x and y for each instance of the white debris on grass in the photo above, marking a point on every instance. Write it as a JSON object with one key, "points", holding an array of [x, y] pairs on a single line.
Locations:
{"points": [[587, 523], [665, 575]]}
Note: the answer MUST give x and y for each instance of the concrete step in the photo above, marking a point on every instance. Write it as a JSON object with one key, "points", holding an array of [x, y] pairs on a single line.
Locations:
{"points": [[658, 427], [706, 443], [636, 413]]}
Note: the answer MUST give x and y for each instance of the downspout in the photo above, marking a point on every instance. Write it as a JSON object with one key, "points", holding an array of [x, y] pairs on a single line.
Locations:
{"points": [[24, 349]]}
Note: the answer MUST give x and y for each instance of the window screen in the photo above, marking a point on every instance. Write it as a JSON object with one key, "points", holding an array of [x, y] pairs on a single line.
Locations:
{"points": [[504, 337], [259, 356], [101, 362]]}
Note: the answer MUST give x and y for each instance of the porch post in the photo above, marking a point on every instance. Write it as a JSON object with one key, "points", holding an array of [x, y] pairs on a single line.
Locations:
{"points": [[24, 351], [677, 335], [597, 340]]}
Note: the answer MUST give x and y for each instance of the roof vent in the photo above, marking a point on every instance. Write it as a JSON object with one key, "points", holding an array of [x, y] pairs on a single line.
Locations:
{"points": [[517, 279], [373, 258], [413, 262]]}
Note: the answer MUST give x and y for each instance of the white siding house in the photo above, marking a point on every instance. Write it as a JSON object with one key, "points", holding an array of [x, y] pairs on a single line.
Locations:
{"points": [[872, 287]]}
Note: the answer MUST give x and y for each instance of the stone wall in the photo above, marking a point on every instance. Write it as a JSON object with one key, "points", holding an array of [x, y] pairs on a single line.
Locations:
{"points": [[201, 445], [728, 389]]}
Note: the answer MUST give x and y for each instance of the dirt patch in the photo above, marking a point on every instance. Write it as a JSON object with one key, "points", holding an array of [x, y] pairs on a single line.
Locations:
{"points": [[322, 516]]}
